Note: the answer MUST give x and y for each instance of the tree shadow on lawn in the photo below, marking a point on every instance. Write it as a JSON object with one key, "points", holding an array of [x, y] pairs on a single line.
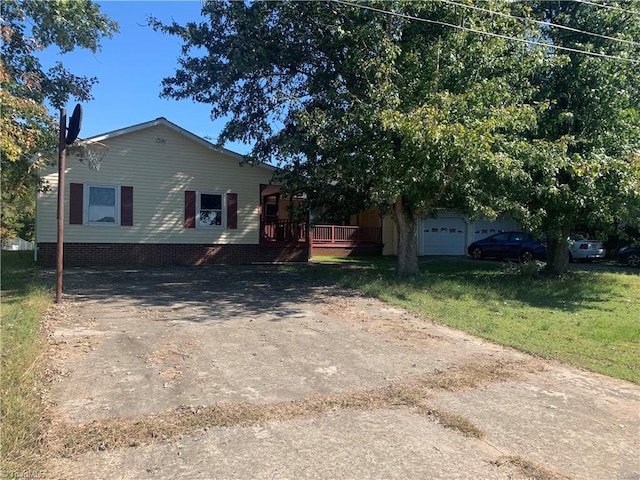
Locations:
{"points": [[195, 293], [223, 292], [457, 279], [574, 291]]}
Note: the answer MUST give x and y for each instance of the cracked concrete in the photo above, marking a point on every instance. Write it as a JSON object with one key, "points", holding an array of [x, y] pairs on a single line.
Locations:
{"points": [[137, 343]]}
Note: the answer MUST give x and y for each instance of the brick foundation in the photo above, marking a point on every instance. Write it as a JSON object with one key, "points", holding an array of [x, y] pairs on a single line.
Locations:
{"points": [[106, 254]]}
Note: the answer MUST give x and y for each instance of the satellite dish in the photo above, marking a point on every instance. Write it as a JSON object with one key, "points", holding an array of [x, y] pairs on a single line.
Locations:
{"points": [[74, 125]]}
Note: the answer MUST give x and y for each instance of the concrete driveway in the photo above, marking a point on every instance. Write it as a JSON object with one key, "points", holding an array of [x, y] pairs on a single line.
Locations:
{"points": [[257, 373]]}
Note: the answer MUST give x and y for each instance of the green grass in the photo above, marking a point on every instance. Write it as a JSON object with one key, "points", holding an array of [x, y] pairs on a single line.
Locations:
{"points": [[587, 318], [23, 301]]}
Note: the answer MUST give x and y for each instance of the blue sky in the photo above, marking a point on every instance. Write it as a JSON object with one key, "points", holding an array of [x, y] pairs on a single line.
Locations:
{"points": [[131, 67]]}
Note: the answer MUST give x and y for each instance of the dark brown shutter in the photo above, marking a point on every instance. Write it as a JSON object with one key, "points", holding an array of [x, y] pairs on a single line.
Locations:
{"points": [[126, 206], [76, 203], [189, 209], [232, 210]]}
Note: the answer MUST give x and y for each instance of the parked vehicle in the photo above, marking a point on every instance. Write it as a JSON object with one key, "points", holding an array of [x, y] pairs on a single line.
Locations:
{"points": [[630, 255], [521, 245], [583, 249]]}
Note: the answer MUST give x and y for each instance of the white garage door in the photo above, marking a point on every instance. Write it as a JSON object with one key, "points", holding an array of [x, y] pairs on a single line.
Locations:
{"points": [[484, 228], [443, 236]]}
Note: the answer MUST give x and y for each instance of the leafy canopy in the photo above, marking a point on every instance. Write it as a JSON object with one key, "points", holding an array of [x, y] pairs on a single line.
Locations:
{"points": [[581, 168], [360, 107], [28, 27], [382, 104]]}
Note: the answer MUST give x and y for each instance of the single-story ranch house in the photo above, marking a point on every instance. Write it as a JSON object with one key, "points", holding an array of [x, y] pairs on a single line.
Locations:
{"points": [[163, 195]]}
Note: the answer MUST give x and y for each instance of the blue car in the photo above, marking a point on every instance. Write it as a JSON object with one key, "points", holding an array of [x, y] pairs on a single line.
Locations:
{"points": [[514, 245], [630, 255]]}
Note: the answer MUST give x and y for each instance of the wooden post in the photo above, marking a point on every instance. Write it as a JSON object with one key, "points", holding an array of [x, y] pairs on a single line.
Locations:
{"points": [[62, 145]]}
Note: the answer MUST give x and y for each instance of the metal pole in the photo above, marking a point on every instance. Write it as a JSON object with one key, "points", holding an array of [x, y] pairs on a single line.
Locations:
{"points": [[62, 145]]}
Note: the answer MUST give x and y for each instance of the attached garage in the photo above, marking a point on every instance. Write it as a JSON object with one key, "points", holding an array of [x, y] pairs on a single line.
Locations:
{"points": [[484, 228], [448, 234], [443, 236]]}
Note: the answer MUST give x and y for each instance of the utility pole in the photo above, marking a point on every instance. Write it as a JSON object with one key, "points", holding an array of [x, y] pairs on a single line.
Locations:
{"points": [[67, 137], [62, 147]]}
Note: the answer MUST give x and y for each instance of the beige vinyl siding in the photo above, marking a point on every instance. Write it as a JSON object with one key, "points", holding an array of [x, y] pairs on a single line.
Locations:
{"points": [[160, 164]]}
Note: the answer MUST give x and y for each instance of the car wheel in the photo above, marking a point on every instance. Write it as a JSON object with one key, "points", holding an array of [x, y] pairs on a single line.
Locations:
{"points": [[526, 256], [476, 253], [571, 259], [633, 260]]}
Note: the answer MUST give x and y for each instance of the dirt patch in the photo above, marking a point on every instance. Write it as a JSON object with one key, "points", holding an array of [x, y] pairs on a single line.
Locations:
{"points": [[194, 373], [68, 440], [527, 468]]}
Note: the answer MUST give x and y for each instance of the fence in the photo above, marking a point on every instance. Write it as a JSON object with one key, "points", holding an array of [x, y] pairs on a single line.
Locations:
{"points": [[285, 231], [17, 244], [346, 234]]}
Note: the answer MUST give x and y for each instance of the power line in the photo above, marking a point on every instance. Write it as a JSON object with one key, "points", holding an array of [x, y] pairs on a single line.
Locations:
{"points": [[490, 34], [603, 5], [540, 22]]}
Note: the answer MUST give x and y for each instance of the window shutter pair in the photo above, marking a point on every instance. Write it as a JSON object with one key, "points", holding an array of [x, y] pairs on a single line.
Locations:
{"points": [[190, 209], [76, 205]]}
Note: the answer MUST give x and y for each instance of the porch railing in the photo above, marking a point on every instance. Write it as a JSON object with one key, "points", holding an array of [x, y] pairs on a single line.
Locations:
{"points": [[284, 231], [346, 234]]}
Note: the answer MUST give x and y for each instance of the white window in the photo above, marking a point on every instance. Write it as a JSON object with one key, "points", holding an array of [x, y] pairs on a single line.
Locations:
{"points": [[210, 210], [102, 205]]}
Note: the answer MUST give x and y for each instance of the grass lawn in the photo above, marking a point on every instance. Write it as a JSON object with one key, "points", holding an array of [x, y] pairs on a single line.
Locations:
{"points": [[23, 301], [589, 319]]}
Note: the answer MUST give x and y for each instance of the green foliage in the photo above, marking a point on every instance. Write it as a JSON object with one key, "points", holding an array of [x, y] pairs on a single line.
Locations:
{"points": [[18, 201], [29, 26], [374, 104], [361, 108], [582, 164]]}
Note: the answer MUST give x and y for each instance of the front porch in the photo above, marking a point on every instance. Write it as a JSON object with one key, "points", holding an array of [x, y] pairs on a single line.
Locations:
{"points": [[363, 235], [325, 240], [284, 232], [277, 227], [346, 240]]}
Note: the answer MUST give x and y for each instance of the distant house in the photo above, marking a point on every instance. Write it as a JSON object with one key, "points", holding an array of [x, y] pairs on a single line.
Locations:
{"points": [[162, 196]]}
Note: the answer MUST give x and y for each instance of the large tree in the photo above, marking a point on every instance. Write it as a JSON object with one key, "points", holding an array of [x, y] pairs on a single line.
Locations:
{"points": [[30, 26], [379, 103], [582, 166], [407, 106]]}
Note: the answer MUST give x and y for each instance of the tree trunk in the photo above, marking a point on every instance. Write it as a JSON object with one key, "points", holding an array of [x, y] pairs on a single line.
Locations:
{"points": [[407, 227], [557, 254]]}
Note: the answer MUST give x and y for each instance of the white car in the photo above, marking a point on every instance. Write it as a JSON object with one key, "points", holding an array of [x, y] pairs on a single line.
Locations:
{"points": [[583, 249]]}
